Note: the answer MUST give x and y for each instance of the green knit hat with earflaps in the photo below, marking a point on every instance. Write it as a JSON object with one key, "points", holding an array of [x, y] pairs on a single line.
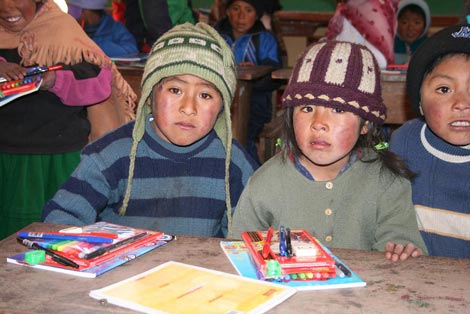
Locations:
{"points": [[189, 49]]}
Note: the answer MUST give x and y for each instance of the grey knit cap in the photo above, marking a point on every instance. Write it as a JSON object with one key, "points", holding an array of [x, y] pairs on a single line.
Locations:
{"points": [[340, 75], [189, 49]]}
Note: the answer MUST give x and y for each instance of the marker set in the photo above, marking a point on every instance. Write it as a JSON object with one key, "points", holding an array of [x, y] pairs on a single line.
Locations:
{"points": [[288, 255], [86, 251], [90, 248], [31, 80], [19, 86]]}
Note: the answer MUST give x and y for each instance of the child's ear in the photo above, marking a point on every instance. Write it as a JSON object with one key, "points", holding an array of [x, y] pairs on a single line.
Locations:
{"points": [[150, 100], [365, 128], [421, 109]]}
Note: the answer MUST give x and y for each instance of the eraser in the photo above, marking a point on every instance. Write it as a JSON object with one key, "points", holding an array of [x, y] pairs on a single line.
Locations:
{"points": [[35, 257], [72, 230], [304, 250]]}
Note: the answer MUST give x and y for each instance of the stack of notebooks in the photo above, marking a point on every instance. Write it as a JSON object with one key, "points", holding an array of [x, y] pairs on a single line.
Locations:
{"points": [[87, 251]]}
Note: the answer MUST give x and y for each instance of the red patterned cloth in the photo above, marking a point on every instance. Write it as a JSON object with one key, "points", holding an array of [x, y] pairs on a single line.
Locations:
{"points": [[375, 20]]}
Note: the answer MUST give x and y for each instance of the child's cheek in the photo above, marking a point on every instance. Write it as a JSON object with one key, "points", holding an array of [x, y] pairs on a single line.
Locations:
{"points": [[433, 113], [347, 138]]}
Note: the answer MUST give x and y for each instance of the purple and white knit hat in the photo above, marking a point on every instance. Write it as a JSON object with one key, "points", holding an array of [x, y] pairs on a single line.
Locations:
{"points": [[338, 75]]}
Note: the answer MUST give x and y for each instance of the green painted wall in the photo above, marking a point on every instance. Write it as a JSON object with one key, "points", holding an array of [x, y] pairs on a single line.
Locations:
{"points": [[438, 7]]}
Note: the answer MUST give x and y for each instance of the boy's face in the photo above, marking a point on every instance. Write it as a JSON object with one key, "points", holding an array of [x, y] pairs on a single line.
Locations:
{"points": [[16, 14], [445, 100], [410, 26], [185, 108], [242, 17], [325, 137]]}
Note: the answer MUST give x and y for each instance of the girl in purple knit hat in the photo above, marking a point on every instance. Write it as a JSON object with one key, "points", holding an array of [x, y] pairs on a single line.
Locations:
{"points": [[335, 176]]}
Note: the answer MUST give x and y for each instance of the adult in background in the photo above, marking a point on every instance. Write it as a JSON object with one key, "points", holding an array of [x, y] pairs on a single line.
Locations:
{"points": [[371, 23]]}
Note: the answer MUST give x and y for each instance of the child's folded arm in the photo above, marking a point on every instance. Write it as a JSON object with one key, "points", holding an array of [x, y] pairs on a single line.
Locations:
{"points": [[82, 86]]}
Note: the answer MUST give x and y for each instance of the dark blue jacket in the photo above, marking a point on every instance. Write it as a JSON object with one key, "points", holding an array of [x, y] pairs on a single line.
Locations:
{"points": [[112, 37], [265, 44]]}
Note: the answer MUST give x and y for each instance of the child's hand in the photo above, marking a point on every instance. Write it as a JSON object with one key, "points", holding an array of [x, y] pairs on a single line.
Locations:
{"points": [[48, 80], [395, 252], [12, 71]]}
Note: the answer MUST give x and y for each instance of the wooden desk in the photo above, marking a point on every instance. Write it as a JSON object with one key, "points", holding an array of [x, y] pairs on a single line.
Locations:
{"points": [[241, 103], [133, 76], [421, 285], [299, 23], [399, 109]]}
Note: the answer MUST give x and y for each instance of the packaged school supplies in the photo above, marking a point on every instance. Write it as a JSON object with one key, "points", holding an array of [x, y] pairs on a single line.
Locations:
{"points": [[239, 256], [185, 289], [10, 90], [285, 254], [131, 57], [136, 59], [93, 258]]}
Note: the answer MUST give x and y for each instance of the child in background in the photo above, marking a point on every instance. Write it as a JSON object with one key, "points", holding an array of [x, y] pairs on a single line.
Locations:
{"points": [[41, 134], [184, 172], [436, 146], [335, 176], [252, 45], [414, 20], [111, 36]]}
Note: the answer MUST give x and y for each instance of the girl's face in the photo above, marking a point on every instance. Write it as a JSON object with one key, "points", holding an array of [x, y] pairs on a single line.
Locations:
{"points": [[410, 26], [445, 100], [185, 108], [242, 17], [16, 14], [325, 137]]}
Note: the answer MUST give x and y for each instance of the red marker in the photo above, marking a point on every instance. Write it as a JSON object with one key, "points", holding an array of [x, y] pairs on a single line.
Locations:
{"points": [[267, 243]]}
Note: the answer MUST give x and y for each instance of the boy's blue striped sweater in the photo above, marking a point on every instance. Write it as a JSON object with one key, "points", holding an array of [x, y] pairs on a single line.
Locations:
{"points": [[177, 190], [441, 189]]}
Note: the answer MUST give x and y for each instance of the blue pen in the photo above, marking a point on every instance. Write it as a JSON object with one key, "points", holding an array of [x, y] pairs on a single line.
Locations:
{"points": [[288, 242], [64, 236], [282, 242]]}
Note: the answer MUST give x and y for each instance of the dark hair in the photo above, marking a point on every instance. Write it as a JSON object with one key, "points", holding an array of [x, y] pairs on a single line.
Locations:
{"points": [[374, 136], [413, 8]]}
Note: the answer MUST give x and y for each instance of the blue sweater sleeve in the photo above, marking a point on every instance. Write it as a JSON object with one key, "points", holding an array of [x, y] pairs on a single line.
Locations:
{"points": [[76, 201], [268, 53]]}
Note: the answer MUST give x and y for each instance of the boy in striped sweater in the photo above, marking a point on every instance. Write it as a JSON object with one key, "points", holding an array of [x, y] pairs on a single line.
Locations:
{"points": [[184, 173]]}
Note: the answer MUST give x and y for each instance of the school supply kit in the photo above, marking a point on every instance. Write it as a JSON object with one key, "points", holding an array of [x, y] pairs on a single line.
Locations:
{"points": [[87, 251], [289, 257], [12, 89]]}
